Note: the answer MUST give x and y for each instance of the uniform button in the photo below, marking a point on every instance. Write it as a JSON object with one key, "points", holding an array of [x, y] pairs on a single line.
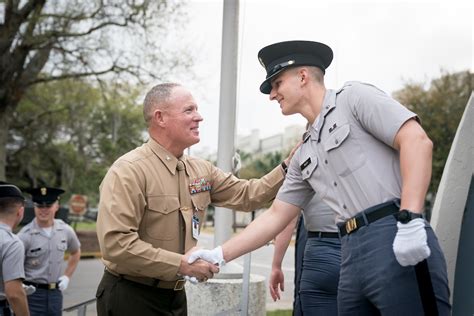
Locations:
{"points": [[344, 207], [325, 161], [335, 183], [307, 171], [336, 141], [327, 106]]}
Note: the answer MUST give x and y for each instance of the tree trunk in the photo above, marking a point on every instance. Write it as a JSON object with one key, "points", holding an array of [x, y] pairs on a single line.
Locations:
{"points": [[4, 127]]}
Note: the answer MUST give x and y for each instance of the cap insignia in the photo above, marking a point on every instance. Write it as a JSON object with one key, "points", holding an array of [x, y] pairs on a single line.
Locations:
{"points": [[43, 191]]}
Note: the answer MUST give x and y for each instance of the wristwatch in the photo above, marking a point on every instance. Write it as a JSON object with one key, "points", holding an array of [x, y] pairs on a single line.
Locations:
{"points": [[404, 216], [284, 166]]}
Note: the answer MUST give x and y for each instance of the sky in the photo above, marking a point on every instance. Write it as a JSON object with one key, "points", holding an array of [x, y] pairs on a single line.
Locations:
{"points": [[388, 43]]}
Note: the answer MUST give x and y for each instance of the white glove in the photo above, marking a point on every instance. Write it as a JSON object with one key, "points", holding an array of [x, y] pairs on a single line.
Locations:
{"points": [[29, 289], [410, 244], [214, 256], [191, 279], [63, 282]]}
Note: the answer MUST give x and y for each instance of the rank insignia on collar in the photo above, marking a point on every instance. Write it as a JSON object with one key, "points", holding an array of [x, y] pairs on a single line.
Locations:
{"points": [[199, 185]]}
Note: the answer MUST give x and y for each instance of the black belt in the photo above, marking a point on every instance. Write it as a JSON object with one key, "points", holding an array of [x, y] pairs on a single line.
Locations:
{"points": [[46, 286], [3, 303], [371, 214], [177, 285], [322, 235]]}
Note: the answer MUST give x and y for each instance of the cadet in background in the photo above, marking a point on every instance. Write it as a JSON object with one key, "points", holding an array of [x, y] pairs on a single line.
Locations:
{"points": [[46, 239], [12, 294]]}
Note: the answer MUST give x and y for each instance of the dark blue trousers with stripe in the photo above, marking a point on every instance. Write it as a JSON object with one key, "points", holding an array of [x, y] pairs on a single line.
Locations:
{"points": [[372, 282]]}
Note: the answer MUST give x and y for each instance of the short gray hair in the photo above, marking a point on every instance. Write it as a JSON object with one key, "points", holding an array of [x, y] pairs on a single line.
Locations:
{"points": [[158, 95]]}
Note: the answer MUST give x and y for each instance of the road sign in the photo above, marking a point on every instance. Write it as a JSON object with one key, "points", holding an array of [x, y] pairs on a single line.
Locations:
{"points": [[78, 204]]}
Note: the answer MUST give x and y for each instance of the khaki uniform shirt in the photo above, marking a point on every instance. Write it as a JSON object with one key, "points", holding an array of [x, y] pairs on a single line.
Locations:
{"points": [[138, 223], [12, 256], [44, 255], [347, 159]]}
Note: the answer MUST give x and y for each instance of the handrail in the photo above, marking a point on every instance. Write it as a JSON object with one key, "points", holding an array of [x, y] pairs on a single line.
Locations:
{"points": [[81, 307]]}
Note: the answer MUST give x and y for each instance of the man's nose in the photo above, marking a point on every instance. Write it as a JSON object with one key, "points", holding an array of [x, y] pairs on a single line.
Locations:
{"points": [[272, 94], [198, 117]]}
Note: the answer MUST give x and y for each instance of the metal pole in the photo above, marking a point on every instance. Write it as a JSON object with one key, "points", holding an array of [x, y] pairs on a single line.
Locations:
{"points": [[227, 105], [244, 310]]}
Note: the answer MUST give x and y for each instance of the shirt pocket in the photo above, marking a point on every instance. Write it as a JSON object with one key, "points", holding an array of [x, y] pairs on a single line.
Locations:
{"points": [[308, 165], [200, 202], [343, 151], [162, 217], [62, 245], [35, 256]]}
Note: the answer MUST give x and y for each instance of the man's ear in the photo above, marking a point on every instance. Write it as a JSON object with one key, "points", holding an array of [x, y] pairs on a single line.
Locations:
{"points": [[159, 117], [303, 74]]}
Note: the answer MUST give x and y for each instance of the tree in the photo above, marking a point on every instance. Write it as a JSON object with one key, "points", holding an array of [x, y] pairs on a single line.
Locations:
{"points": [[257, 167], [45, 40], [440, 107], [67, 133]]}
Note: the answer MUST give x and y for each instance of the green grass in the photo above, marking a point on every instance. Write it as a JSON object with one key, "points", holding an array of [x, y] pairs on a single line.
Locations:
{"points": [[280, 312], [88, 226]]}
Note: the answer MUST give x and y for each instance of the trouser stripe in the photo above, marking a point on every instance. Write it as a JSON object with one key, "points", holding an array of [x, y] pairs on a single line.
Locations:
{"points": [[428, 298]]}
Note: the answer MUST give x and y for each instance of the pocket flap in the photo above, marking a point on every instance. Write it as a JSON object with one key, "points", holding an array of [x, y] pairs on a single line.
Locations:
{"points": [[308, 170], [163, 204], [201, 200], [337, 137]]}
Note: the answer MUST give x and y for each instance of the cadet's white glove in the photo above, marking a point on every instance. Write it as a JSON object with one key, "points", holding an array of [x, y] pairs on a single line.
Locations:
{"points": [[29, 289], [191, 279], [214, 256], [63, 282], [410, 244]]}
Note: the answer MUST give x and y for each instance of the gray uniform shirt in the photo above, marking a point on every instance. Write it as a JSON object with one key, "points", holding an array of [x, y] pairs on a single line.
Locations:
{"points": [[347, 158], [12, 256], [44, 255], [318, 216]]}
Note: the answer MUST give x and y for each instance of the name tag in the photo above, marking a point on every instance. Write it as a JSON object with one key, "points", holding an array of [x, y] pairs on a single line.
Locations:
{"points": [[195, 224], [305, 164]]}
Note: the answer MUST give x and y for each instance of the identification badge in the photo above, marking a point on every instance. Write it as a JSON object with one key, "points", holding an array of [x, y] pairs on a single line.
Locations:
{"points": [[195, 223]]}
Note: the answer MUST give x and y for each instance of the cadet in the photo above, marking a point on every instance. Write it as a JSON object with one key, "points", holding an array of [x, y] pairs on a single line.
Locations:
{"points": [[369, 159], [46, 239], [12, 252], [152, 201]]}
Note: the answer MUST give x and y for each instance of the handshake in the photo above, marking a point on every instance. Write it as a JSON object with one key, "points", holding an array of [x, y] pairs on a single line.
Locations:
{"points": [[199, 265]]}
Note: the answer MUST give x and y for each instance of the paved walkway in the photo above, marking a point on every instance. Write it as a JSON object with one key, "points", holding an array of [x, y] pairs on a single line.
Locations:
{"points": [[89, 272]]}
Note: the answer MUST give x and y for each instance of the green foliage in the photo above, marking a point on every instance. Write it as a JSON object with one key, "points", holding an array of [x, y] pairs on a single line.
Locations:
{"points": [[257, 167], [67, 134], [440, 107]]}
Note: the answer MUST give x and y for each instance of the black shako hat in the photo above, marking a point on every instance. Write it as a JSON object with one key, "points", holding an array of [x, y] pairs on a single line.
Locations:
{"points": [[279, 56], [44, 195], [10, 190]]}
